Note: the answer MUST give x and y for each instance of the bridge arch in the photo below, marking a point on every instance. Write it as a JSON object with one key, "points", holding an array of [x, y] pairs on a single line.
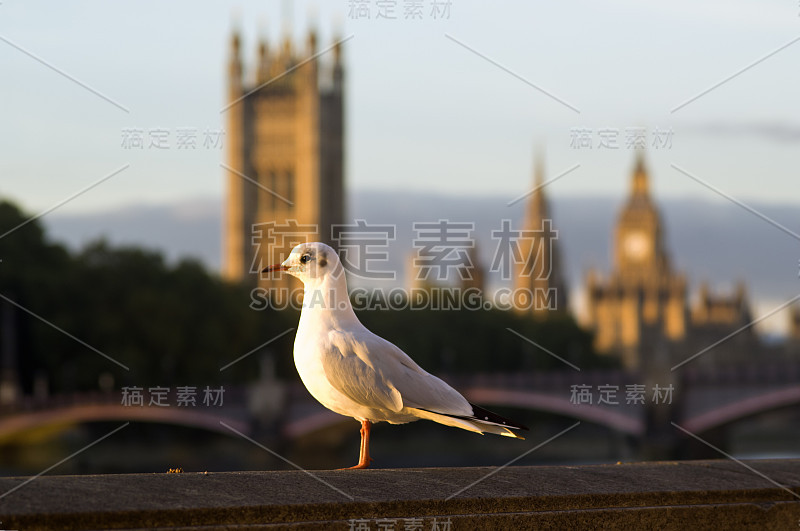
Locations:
{"points": [[740, 409], [23, 421], [605, 416]]}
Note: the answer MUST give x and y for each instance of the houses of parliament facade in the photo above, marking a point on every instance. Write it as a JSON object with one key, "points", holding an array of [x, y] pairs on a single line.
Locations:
{"points": [[640, 312], [285, 165], [641, 309]]}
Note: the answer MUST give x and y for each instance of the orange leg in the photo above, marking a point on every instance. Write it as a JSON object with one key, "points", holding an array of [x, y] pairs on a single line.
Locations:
{"points": [[363, 456]]}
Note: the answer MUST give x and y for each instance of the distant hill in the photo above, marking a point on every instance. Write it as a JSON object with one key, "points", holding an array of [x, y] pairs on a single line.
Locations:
{"points": [[716, 241], [190, 229]]}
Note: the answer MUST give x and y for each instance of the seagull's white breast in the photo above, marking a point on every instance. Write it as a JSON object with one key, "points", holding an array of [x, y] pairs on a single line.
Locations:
{"points": [[312, 344]]}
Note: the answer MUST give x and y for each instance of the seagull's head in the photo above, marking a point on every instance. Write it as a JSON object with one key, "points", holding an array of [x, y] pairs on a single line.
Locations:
{"points": [[312, 263]]}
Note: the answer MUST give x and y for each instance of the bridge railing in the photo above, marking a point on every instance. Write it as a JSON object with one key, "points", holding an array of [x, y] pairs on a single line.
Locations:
{"points": [[766, 371]]}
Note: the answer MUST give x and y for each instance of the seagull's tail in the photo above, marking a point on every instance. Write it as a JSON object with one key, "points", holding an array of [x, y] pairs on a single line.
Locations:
{"points": [[481, 421]]}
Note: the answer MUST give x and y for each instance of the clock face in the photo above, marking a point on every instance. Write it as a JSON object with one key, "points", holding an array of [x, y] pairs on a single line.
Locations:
{"points": [[636, 245]]}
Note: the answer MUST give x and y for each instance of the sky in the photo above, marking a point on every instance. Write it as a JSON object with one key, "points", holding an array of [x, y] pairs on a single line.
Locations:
{"points": [[455, 104]]}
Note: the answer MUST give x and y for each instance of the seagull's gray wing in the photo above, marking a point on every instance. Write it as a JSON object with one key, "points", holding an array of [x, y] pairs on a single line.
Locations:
{"points": [[375, 373]]}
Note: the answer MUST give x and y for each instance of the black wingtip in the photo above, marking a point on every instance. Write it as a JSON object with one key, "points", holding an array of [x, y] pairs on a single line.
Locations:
{"points": [[484, 414]]}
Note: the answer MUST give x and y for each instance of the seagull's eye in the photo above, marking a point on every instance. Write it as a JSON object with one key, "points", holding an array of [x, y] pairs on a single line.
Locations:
{"points": [[305, 258]]}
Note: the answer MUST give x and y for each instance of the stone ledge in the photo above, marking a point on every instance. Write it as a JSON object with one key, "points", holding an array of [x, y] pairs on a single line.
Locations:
{"points": [[664, 495]]}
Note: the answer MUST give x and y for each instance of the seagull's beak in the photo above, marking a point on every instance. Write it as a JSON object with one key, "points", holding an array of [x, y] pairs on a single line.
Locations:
{"points": [[274, 267]]}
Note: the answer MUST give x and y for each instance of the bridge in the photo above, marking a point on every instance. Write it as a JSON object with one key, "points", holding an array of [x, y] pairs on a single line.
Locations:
{"points": [[549, 392], [698, 399], [31, 413]]}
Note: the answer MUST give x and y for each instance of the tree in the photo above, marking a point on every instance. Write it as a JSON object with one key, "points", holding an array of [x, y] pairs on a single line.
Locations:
{"points": [[168, 324]]}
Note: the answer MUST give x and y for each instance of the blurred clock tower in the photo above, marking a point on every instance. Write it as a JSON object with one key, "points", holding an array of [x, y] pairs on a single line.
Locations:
{"points": [[641, 306], [639, 248]]}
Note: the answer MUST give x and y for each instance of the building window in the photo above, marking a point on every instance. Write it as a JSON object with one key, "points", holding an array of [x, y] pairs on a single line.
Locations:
{"points": [[272, 184], [290, 185]]}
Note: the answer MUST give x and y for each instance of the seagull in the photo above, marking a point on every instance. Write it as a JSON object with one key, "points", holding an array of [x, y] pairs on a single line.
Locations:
{"points": [[358, 374]]}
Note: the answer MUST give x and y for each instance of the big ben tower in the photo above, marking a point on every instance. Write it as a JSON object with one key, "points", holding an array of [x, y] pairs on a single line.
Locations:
{"points": [[638, 242], [641, 306]]}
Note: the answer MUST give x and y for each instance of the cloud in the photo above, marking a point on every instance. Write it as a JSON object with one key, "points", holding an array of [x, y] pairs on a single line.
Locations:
{"points": [[771, 15], [773, 131]]}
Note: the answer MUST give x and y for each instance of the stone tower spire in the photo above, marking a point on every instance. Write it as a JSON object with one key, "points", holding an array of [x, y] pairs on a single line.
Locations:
{"points": [[641, 187], [537, 205], [472, 275], [539, 282], [238, 204]]}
